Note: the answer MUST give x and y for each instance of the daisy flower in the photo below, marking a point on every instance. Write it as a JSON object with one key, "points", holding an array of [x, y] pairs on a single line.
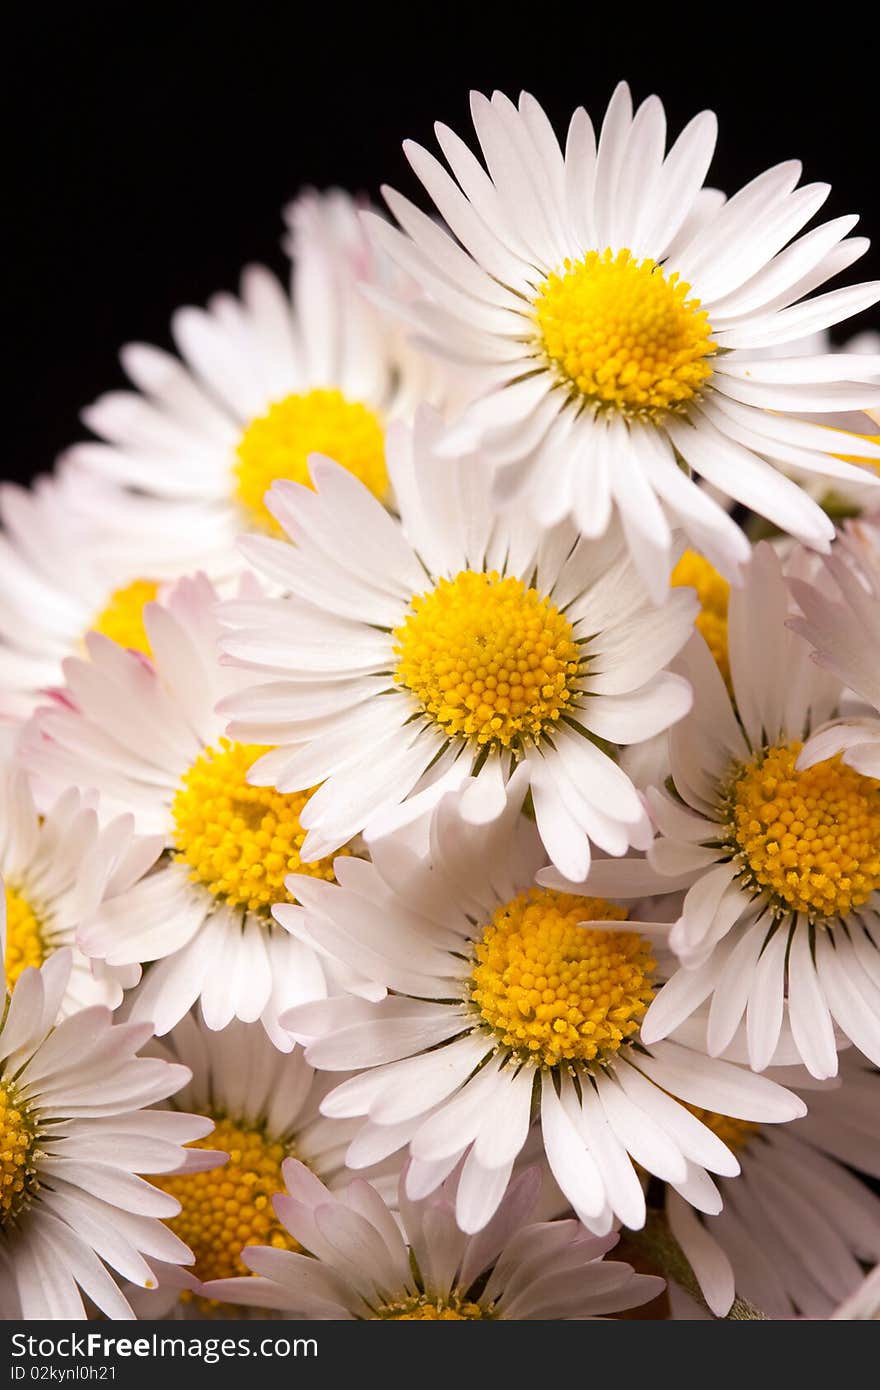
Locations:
{"points": [[621, 312], [58, 869], [363, 1267], [263, 1106], [266, 380], [502, 1006], [147, 737], [78, 553], [797, 1226], [74, 1138], [450, 643], [845, 631], [783, 862]]}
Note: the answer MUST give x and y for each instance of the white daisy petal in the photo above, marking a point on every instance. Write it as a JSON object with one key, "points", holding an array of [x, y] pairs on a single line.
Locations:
{"points": [[755, 484], [851, 1001], [766, 1000], [721, 1086], [640, 1134], [569, 1159], [706, 1258]]}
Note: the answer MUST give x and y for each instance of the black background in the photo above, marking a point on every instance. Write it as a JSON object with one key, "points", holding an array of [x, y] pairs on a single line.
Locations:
{"points": [[152, 149]]}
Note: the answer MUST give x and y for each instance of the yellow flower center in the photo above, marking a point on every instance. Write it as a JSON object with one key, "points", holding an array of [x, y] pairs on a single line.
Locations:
{"points": [[123, 618], [240, 841], [624, 333], [713, 591], [278, 444], [736, 1134], [225, 1209], [424, 1309], [18, 1176], [24, 937], [488, 659], [811, 839], [553, 991]]}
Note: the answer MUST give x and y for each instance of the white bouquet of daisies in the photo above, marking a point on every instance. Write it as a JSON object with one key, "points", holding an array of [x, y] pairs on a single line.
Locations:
{"points": [[440, 767]]}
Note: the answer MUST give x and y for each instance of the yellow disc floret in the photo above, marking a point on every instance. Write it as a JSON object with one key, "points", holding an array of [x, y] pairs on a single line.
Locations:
{"points": [[18, 1178], [624, 333], [556, 992], [427, 1310], [24, 937], [488, 659], [278, 444], [694, 571], [225, 1209], [736, 1134], [240, 841], [810, 839], [123, 618]]}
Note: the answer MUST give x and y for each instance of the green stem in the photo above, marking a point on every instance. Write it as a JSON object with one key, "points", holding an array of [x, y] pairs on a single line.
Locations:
{"points": [[660, 1248]]}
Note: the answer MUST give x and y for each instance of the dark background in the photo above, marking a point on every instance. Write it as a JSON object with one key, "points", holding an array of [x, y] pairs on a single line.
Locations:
{"points": [[149, 162]]}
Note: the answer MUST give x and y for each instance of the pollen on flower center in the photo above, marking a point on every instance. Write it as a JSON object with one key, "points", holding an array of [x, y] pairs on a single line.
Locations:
{"points": [[18, 1176], [24, 937], [225, 1209], [277, 445], [624, 333], [811, 839], [713, 591], [736, 1134], [488, 659], [123, 617], [240, 841], [556, 992], [425, 1309]]}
